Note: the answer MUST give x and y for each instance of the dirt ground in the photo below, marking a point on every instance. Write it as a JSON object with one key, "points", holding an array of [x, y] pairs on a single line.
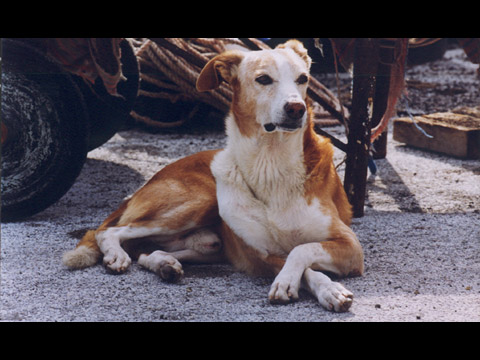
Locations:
{"points": [[420, 234]]}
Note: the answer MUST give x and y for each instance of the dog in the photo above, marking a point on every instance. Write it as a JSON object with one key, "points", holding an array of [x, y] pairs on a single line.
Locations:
{"points": [[270, 202]]}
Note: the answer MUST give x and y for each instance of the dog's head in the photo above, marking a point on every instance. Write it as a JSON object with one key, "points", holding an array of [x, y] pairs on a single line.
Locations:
{"points": [[269, 86]]}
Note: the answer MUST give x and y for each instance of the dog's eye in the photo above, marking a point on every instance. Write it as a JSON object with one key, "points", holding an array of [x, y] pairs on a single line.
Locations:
{"points": [[264, 80], [302, 79]]}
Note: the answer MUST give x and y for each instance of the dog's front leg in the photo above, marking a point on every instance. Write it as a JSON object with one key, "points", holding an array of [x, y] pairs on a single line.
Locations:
{"points": [[287, 283], [342, 256], [330, 294]]}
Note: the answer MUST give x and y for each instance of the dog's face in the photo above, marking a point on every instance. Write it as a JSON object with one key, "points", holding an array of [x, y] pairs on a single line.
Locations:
{"points": [[270, 86]]}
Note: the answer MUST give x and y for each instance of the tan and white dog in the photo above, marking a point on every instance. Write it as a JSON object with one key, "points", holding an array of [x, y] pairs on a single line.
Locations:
{"points": [[271, 202]]}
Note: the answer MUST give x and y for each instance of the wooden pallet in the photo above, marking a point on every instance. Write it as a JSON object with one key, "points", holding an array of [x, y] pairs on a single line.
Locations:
{"points": [[455, 133]]}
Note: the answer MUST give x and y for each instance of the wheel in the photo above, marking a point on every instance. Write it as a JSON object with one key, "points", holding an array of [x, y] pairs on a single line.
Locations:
{"points": [[44, 131]]}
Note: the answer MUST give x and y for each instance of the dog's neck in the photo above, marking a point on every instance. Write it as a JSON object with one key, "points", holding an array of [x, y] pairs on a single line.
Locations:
{"points": [[271, 164]]}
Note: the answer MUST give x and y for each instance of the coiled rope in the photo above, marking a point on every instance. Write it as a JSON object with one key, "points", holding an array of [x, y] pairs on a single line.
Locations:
{"points": [[169, 68]]}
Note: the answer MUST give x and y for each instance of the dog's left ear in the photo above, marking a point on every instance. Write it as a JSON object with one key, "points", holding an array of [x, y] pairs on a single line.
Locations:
{"points": [[298, 47], [221, 67]]}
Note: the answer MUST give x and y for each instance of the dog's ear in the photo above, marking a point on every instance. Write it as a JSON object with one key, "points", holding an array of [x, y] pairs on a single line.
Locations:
{"points": [[298, 47], [221, 67]]}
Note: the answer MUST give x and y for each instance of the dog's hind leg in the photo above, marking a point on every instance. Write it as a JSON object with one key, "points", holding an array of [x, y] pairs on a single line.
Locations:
{"points": [[200, 246], [87, 253], [110, 242], [163, 264]]}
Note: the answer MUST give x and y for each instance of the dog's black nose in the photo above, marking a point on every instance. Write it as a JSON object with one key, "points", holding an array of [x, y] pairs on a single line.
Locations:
{"points": [[295, 110]]}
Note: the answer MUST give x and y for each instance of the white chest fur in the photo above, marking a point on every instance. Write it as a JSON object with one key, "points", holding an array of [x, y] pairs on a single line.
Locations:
{"points": [[260, 192]]}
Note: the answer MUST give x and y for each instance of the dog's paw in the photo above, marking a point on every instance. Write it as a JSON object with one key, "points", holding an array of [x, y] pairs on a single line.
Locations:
{"points": [[334, 297], [116, 261], [170, 270], [164, 265], [283, 290]]}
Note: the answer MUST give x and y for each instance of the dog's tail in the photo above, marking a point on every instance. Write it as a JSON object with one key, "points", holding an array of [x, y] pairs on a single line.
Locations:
{"points": [[87, 253]]}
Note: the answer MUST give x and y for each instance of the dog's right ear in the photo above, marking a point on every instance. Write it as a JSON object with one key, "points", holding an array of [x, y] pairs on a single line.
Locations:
{"points": [[221, 67]]}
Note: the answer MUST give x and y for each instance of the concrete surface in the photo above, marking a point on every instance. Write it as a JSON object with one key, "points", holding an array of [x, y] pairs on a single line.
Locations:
{"points": [[420, 233], [421, 237]]}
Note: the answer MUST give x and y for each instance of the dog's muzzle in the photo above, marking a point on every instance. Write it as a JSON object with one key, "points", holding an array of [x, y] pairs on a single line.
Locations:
{"points": [[294, 110]]}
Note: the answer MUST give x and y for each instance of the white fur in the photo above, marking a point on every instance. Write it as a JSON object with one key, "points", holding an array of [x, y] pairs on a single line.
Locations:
{"points": [[80, 257], [330, 294], [304, 256], [163, 264], [110, 243], [260, 187], [200, 245], [260, 192], [269, 100], [270, 164]]}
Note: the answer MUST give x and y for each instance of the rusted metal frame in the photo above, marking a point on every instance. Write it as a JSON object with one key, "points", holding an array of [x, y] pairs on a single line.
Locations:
{"points": [[358, 147], [319, 99], [386, 53], [335, 142]]}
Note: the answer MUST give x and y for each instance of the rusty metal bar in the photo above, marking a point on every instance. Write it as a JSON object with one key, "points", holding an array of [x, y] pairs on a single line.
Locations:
{"points": [[358, 147], [382, 87]]}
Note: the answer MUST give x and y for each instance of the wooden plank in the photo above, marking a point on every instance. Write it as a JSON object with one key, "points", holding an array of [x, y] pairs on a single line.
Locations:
{"points": [[452, 134]]}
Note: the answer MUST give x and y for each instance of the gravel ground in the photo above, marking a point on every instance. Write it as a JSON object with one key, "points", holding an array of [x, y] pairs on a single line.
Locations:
{"points": [[420, 233]]}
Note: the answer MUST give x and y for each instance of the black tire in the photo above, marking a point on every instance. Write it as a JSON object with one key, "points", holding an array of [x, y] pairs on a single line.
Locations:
{"points": [[45, 121]]}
